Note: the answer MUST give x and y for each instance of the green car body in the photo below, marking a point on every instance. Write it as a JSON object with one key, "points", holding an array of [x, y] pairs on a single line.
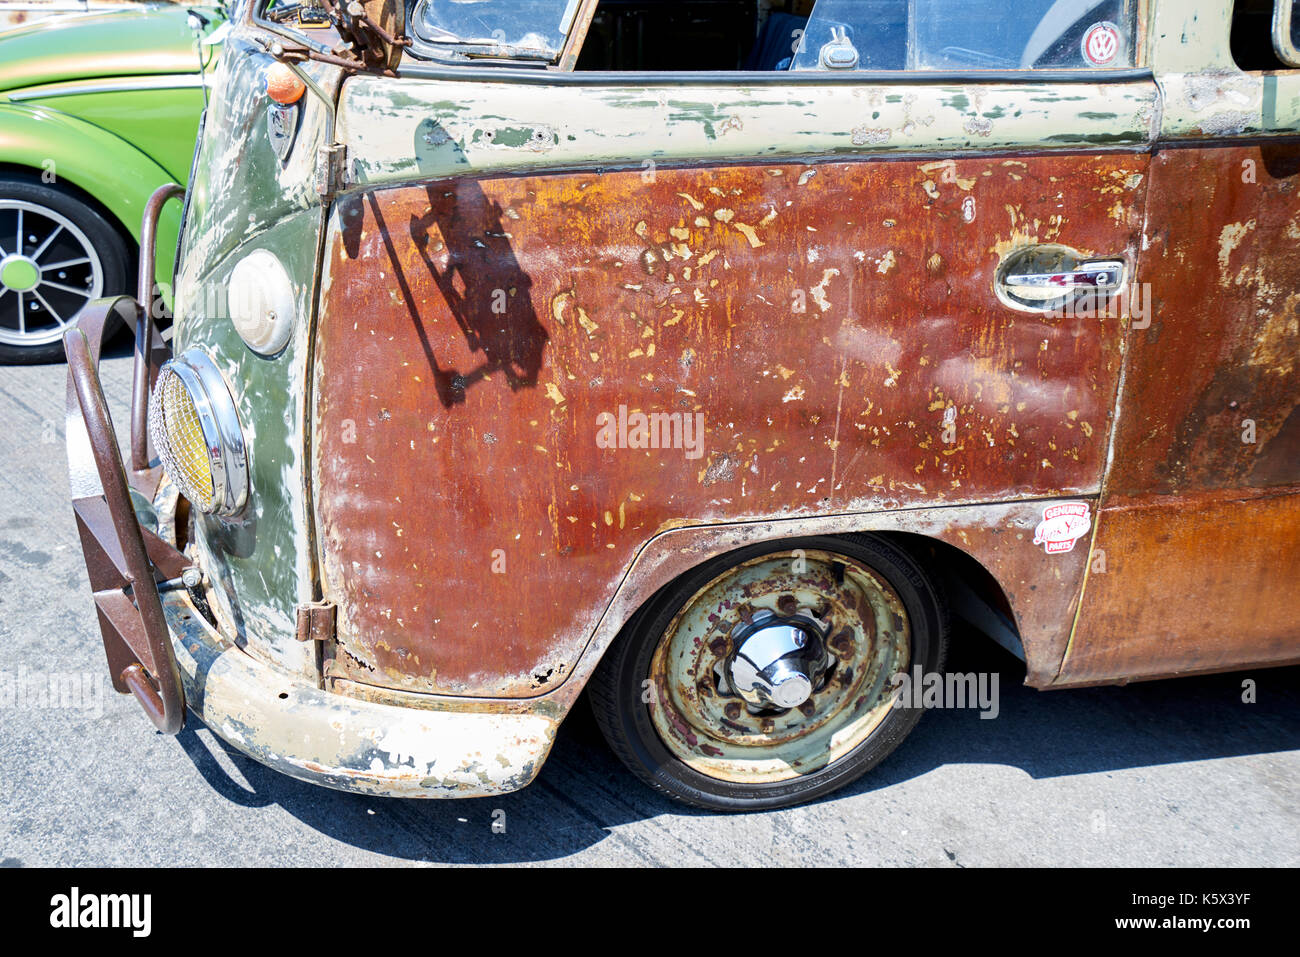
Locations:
{"points": [[103, 109]]}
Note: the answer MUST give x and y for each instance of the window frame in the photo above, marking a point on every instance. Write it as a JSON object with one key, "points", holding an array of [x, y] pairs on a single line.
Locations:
{"points": [[563, 72], [1283, 46]]}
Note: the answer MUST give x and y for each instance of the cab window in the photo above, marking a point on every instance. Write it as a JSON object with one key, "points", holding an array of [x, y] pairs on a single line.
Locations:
{"points": [[765, 36], [965, 35], [831, 35], [517, 29]]}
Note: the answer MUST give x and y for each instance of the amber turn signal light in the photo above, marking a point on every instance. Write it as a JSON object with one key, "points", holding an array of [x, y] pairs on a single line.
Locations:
{"points": [[283, 85]]}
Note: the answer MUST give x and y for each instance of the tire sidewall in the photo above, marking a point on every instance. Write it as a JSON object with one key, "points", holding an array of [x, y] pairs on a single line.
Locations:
{"points": [[631, 663]]}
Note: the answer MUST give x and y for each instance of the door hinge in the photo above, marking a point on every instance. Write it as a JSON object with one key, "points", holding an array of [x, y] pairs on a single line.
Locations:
{"points": [[332, 170], [316, 621]]}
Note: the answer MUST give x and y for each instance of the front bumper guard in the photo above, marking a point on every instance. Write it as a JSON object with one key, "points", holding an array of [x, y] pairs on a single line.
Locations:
{"points": [[162, 650], [123, 560]]}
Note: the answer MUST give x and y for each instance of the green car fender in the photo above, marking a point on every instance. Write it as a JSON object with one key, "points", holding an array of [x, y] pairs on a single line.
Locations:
{"points": [[106, 167]]}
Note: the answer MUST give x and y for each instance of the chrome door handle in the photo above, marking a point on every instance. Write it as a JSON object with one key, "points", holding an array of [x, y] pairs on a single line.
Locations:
{"points": [[1103, 275]]}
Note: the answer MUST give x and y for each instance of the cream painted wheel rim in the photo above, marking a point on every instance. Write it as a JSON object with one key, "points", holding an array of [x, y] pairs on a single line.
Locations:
{"points": [[714, 733]]}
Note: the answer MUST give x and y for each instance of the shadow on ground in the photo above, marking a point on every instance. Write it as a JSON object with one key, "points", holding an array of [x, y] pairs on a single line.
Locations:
{"points": [[583, 791]]}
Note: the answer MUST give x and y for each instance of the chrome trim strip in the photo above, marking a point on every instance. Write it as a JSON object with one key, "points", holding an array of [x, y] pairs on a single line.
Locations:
{"points": [[134, 84], [1286, 50]]}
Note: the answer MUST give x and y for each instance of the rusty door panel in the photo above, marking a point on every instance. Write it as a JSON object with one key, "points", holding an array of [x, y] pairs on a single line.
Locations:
{"points": [[1192, 586], [1221, 359], [822, 320]]}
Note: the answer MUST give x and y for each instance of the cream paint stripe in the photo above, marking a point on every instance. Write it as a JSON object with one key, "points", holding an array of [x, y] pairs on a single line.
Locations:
{"points": [[404, 129]]}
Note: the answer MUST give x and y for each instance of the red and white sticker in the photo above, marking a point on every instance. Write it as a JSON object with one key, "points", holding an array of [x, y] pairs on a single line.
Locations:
{"points": [[1062, 526], [1101, 43]]}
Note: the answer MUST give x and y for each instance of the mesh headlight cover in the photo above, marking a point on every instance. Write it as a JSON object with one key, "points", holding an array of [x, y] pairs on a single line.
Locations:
{"points": [[195, 431]]}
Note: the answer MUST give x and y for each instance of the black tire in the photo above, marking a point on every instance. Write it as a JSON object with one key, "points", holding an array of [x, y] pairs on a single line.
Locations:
{"points": [[615, 688], [107, 272]]}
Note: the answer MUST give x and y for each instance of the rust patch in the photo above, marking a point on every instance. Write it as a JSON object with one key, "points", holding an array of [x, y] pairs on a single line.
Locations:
{"points": [[1196, 551], [1213, 386], [474, 331], [1190, 586]]}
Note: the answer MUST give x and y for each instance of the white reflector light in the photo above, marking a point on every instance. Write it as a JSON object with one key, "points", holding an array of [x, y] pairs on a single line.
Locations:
{"points": [[261, 299]]}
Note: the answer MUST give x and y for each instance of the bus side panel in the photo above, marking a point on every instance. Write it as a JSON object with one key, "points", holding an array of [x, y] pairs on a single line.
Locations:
{"points": [[803, 341]]}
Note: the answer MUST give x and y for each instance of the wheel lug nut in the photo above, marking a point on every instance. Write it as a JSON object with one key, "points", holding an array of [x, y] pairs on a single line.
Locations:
{"points": [[719, 647], [732, 710], [843, 642], [807, 709]]}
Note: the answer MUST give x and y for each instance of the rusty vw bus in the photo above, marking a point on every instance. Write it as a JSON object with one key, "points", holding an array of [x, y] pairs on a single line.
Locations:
{"points": [[708, 357]]}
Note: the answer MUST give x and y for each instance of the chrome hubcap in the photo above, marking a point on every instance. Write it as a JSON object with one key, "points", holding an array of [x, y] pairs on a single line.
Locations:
{"points": [[49, 272], [778, 662]]}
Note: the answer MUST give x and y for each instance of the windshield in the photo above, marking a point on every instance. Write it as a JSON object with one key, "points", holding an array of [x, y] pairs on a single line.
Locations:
{"points": [[535, 28]]}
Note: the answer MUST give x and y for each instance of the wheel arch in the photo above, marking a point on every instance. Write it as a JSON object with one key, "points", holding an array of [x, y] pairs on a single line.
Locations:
{"points": [[981, 554], [973, 592], [115, 177]]}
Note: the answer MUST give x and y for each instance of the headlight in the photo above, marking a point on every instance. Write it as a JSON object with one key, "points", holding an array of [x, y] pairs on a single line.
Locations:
{"points": [[195, 430]]}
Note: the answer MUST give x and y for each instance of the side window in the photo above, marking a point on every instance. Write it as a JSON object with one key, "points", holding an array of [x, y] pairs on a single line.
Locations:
{"points": [[514, 29], [660, 35], [1265, 35], [806, 35], [965, 35]]}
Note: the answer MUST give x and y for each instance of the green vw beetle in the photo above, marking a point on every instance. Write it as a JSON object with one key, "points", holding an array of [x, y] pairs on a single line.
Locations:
{"points": [[96, 112]]}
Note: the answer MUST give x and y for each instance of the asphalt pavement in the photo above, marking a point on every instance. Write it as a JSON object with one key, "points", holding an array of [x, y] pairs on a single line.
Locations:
{"points": [[1179, 772]]}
